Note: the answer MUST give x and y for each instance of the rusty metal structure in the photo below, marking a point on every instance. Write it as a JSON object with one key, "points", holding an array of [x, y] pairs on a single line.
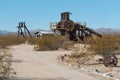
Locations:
{"points": [[23, 30], [72, 30], [110, 60]]}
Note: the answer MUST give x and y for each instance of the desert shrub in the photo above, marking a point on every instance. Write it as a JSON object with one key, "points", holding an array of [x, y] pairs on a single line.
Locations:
{"points": [[32, 41], [76, 55], [10, 40], [106, 44], [49, 42], [1, 40], [67, 44], [5, 65]]}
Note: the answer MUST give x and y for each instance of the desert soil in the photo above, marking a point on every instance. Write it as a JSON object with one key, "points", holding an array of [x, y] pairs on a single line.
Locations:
{"points": [[44, 65]]}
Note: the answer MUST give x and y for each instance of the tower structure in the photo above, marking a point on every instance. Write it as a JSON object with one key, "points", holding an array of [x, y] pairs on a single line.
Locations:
{"points": [[23, 30]]}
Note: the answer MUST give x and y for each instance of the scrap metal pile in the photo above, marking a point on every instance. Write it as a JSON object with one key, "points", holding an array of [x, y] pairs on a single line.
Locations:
{"points": [[72, 30], [110, 60]]}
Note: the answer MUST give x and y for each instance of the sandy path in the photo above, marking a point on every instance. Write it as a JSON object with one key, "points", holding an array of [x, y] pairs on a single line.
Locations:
{"points": [[42, 64]]}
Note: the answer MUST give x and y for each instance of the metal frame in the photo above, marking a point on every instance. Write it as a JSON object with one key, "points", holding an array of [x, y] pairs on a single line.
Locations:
{"points": [[23, 30]]}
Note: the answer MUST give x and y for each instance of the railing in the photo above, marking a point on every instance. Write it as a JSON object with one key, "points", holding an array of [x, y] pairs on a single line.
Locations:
{"points": [[81, 23], [53, 25]]}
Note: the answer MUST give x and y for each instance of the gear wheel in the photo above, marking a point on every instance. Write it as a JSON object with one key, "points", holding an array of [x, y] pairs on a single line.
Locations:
{"points": [[69, 25]]}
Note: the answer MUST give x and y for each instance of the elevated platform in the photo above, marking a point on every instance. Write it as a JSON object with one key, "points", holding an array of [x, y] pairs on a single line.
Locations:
{"points": [[53, 25]]}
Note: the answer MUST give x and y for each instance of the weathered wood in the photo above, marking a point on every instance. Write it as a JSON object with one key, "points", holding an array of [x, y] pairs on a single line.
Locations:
{"points": [[23, 30]]}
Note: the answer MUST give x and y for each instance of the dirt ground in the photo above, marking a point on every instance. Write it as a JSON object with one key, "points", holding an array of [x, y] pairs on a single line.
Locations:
{"points": [[93, 66], [44, 65]]}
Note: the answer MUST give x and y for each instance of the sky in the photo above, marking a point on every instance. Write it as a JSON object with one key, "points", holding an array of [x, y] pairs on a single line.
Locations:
{"points": [[39, 13]]}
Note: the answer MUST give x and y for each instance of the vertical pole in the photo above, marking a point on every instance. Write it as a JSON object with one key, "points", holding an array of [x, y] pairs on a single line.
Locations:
{"points": [[18, 32], [54, 32], [22, 33], [28, 31], [79, 33], [24, 29], [25, 32]]}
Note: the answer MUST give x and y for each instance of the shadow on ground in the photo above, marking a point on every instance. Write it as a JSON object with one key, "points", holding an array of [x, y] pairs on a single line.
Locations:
{"points": [[14, 61]]}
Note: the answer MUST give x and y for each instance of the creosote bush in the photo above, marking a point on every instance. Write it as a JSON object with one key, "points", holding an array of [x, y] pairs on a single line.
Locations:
{"points": [[49, 42], [76, 55], [32, 41], [67, 44], [5, 56], [10, 40], [106, 44], [5, 65]]}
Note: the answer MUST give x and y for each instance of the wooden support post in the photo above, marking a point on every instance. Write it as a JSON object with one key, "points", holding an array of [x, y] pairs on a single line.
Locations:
{"points": [[23, 30]]}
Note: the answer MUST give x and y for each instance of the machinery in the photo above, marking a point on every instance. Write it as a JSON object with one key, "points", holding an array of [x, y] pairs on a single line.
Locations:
{"points": [[72, 30], [23, 30], [110, 60]]}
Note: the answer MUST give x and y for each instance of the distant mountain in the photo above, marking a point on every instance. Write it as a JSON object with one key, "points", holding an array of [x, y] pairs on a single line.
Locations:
{"points": [[99, 30], [107, 31], [4, 32]]}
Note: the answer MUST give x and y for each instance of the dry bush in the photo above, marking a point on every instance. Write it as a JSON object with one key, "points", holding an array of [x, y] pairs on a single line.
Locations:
{"points": [[49, 43], [106, 44], [5, 65], [67, 45], [76, 55], [1, 40], [32, 41], [10, 40], [100, 46]]}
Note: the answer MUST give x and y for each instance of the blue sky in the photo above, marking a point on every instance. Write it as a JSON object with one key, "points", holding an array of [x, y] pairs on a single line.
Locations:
{"points": [[39, 13]]}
